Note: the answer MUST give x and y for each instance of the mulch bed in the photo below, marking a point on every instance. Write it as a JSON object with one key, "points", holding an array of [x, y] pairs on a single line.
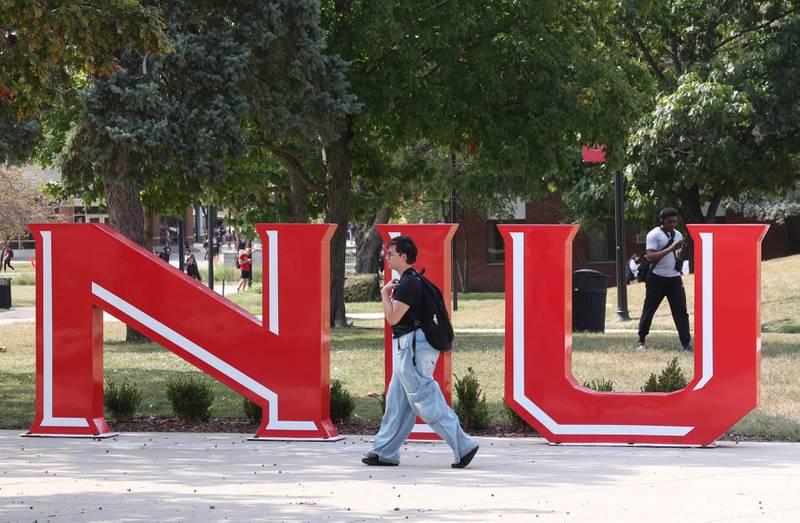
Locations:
{"points": [[243, 426], [361, 428]]}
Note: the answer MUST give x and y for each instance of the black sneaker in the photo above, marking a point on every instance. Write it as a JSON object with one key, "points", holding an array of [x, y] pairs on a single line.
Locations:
{"points": [[376, 462], [466, 459], [688, 348]]}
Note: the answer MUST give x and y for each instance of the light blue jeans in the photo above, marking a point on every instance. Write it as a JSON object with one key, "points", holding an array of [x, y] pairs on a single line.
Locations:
{"points": [[413, 392]]}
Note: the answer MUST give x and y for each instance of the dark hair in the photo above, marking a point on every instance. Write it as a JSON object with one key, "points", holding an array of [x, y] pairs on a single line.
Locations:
{"points": [[404, 245], [666, 213]]}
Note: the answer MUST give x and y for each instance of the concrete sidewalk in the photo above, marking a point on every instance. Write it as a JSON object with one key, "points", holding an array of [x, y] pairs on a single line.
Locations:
{"points": [[199, 477]]}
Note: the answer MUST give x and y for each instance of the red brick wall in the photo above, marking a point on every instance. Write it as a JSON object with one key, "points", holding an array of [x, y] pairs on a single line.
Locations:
{"points": [[776, 242]]}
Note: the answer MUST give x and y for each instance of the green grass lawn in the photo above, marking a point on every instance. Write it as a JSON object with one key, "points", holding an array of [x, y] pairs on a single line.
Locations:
{"points": [[780, 307], [357, 360]]}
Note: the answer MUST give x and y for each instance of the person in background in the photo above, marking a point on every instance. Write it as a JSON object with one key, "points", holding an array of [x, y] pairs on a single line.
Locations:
{"points": [[244, 268], [6, 257], [250, 274], [191, 268], [165, 253], [663, 280], [633, 266]]}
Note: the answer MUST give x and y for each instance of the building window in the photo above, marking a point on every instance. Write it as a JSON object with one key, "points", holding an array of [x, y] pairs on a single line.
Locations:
{"points": [[601, 246], [496, 247]]}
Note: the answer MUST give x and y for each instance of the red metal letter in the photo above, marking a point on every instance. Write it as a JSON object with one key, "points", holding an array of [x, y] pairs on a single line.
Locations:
{"points": [[434, 242], [282, 364], [539, 383]]}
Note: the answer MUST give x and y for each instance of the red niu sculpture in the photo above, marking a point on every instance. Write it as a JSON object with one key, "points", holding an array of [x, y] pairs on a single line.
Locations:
{"points": [[539, 383], [280, 363]]}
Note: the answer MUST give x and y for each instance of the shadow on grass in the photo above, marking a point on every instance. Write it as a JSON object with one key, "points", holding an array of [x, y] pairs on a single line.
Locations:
{"points": [[766, 426]]}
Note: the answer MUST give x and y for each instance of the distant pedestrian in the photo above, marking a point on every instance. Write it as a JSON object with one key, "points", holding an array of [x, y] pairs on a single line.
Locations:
{"points": [[191, 268], [244, 268], [250, 274], [165, 253], [634, 263], [6, 257], [663, 279]]}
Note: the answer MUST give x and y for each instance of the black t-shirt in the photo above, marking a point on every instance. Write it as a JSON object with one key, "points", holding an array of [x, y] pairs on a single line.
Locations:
{"points": [[408, 291]]}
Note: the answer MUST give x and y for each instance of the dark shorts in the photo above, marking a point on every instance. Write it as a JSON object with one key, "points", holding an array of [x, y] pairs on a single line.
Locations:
{"points": [[246, 275]]}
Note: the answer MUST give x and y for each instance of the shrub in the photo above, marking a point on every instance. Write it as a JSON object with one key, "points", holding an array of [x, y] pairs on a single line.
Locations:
{"points": [[517, 421], [252, 411], [600, 385], [342, 403], [362, 287], [381, 397], [190, 399], [121, 402], [670, 380], [26, 278], [470, 404]]}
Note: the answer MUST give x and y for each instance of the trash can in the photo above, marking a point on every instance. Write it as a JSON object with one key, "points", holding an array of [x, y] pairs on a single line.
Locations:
{"points": [[5, 293], [589, 290]]}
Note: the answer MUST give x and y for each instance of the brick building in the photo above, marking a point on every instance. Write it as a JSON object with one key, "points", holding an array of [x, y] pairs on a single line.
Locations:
{"points": [[481, 251]]}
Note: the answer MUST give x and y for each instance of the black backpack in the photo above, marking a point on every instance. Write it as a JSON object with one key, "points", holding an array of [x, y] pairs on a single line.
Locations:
{"points": [[645, 267], [435, 322]]}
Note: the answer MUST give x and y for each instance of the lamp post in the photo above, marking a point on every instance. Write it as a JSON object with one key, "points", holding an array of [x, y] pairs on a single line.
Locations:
{"points": [[597, 155], [619, 222], [181, 241], [453, 201], [211, 216]]}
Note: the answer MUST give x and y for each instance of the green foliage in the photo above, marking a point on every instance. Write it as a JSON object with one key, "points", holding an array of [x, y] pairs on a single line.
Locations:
{"points": [[41, 40], [670, 379], [342, 403], [470, 403], [121, 401], [200, 123], [556, 80], [252, 411], [600, 385], [724, 73], [362, 287], [518, 423], [191, 399], [17, 137], [789, 329], [776, 208]]}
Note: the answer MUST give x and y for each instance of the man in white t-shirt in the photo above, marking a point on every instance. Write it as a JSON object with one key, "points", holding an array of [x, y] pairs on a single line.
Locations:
{"points": [[664, 278]]}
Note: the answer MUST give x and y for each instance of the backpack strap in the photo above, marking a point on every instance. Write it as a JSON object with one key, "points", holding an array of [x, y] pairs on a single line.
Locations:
{"points": [[670, 240]]}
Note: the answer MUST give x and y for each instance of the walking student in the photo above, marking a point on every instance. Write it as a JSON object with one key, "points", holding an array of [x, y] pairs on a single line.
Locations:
{"points": [[412, 390], [663, 278], [244, 268], [6, 257]]}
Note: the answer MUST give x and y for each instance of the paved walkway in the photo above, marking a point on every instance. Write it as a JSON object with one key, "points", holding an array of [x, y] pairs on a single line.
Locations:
{"points": [[199, 477]]}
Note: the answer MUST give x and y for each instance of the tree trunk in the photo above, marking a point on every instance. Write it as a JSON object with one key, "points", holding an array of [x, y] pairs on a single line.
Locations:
{"points": [[126, 215], [339, 167], [298, 195], [369, 243]]}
